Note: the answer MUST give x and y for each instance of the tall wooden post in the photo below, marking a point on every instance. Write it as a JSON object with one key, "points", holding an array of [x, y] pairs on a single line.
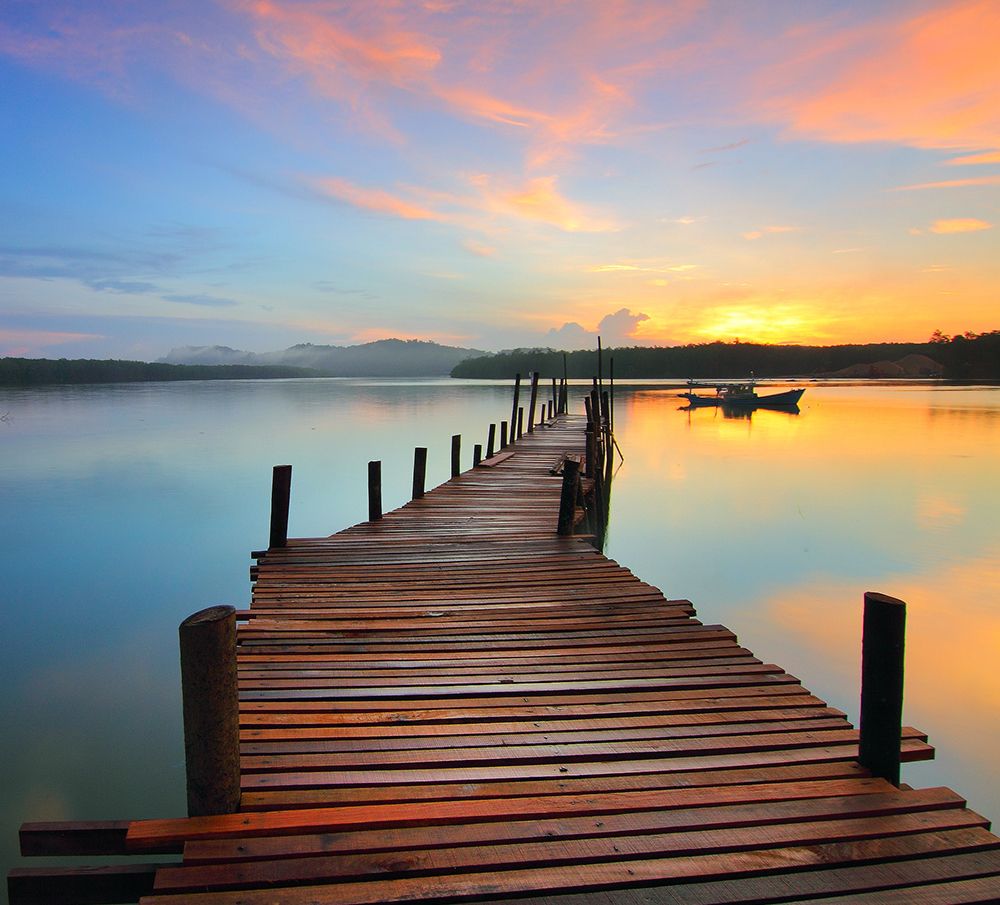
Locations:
{"points": [[419, 471], [491, 440], [503, 434], [567, 499], [520, 422], [612, 368], [591, 451], [882, 647], [555, 399], [210, 701], [281, 491], [600, 365], [477, 454], [565, 400], [374, 491], [514, 410], [456, 455], [534, 399]]}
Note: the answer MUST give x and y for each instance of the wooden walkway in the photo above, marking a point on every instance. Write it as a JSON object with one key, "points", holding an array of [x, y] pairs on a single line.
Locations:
{"points": [[454, 703]]}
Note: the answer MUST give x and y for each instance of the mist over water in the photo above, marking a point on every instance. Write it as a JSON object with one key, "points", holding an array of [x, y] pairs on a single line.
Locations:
{"points": [[123, 509]]}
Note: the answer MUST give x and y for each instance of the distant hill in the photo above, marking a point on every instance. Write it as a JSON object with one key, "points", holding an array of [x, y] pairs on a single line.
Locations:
{"points": [[968, 357], [382, 358]]}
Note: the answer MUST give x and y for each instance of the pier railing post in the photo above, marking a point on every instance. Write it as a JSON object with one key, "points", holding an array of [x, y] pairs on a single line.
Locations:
{"points": [[567, 500], [210, 701], [374, 491], [456, 455], [419, 471], [534, 400], [513, 412], [882, 685], [281, 491]]}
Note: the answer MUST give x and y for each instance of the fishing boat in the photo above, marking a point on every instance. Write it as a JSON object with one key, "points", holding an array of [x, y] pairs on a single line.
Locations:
{"points": [[740, 395]]}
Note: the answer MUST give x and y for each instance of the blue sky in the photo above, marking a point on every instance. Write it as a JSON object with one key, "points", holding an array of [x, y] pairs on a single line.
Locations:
{"points": [[495, 174]]}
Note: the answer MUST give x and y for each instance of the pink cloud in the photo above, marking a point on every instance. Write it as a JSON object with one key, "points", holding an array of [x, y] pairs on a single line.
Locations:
{"points": [[922, 82]]}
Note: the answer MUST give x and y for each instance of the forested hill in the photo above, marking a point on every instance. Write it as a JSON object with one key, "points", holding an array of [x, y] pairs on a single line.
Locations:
{"points": [[25, 372], [973, 357]]}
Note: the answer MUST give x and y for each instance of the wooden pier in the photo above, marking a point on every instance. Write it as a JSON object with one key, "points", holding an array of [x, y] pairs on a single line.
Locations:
{"points": [[454, 703]]}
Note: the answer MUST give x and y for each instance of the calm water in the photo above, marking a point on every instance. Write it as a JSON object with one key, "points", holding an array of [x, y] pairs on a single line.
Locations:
{"points": [[124, 509]]}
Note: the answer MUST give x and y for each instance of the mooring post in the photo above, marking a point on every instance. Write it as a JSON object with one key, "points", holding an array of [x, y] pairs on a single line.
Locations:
{"points": [[550, 410], [281, 491], [882, 646], [456, 455], [477, 454], [520, 422], [591, 451], [555, 399], [210, 701], [419, 471], [374, 491], [612, 367], [589, 410], [503, 434], [514, 410], [491, 440], [567, 500], [534, 399]]}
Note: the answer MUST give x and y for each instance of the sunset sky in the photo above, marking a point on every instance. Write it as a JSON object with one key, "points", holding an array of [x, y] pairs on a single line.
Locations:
{"points": [[495, 173]]}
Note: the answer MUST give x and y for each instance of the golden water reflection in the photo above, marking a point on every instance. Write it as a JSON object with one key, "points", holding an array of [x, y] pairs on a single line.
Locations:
{"points": [[777, 524]]}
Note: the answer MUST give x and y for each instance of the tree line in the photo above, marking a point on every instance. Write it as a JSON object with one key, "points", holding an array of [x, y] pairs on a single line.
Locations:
{"points": [[964, 357], [25, 372]]}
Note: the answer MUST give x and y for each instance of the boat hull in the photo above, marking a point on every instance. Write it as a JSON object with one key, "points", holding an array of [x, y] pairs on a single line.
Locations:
{"points": [[775, 400]]}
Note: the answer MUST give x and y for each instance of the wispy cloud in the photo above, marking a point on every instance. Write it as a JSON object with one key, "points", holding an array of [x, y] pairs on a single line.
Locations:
{"points": [[918, 81], [949, 184], [204, 301], [482, 200], [960, 225], [982, 157]]}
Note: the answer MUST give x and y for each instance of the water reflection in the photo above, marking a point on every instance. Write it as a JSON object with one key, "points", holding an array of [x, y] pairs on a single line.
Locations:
{"points": [[124, 509], [777, 528]]}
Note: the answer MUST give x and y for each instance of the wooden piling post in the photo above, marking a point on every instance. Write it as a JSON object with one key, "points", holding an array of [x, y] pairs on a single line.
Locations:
{"points": [[611, 365], [374, 491], [882, 648], [477, 454], [550, 410], [281, 491], [490, 441], [503, 434], [520, 422], [419, 471], [567, 500], [514, 410], [591, 451], [456, 455], [210, 701], [534, 399], [555, 399]]}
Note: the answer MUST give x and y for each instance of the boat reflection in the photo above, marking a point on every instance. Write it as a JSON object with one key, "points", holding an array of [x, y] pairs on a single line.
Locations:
{"points": [[742, 412]]}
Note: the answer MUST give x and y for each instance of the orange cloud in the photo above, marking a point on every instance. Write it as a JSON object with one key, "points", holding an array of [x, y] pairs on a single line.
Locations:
{"points": [[376, 200], [949, 184], [538, 199], [923, 82], [962, 225], [984, 157]]}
